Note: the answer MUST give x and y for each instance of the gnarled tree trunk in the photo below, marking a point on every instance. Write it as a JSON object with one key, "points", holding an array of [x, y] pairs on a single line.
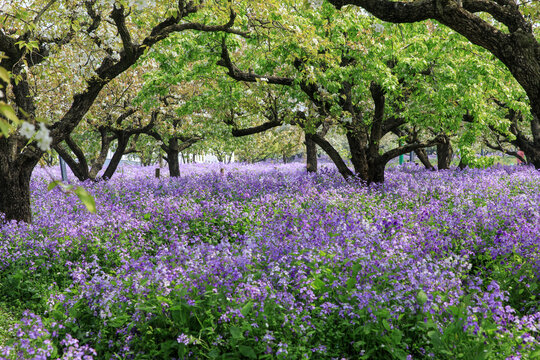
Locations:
{"points": [[445, 153], [311, 153], [15, 173], [172, 157]]}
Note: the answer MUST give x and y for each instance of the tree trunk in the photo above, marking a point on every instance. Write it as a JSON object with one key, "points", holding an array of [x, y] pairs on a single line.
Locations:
{"points": [[80, 170], [532, 148], [15, 183], [174, 165], [172, 157], [376, 171], [311, 153], [359, 154], [423, 156], [98, 163], [333, 154], [117, 156], [445, 153]]}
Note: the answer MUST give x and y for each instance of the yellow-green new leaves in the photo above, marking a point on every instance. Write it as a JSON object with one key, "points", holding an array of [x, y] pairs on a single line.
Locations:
{"points": [[4, 75], [6, 111], [86, 198]]}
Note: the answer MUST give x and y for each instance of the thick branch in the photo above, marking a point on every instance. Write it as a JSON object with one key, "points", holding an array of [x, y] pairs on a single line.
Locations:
{"points": [[448, 12], [79, 170], [333, 154], [77, 151], [377, 93], [187, 143], [256, 129], [120, 21], [391, 124], [498, 147], [239, 75], [389, 155]]}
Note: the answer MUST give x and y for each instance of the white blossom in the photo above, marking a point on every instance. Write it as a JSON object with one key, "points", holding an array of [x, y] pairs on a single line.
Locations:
{"points": [[316, 4], [299, 107], [140, 4], [377, 27], [264, 79], [43, 138], [27, 130]]}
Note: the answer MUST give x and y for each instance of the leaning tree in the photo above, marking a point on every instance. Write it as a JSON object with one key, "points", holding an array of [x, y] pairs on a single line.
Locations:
{"points": [[88, 44], [509, 31]]}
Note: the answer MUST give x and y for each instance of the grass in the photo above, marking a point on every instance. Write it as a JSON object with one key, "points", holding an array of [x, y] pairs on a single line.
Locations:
{"points": [[7, 319]]}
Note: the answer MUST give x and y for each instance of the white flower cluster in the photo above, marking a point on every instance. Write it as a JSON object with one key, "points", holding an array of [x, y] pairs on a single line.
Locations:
{"points": [[377, 27], [284, 127], [300, 107], [115, 56], [316, 4], [42, 136]]}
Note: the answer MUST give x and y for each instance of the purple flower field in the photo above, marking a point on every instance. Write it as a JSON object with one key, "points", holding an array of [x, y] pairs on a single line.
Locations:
{"points": [[271, 263]]}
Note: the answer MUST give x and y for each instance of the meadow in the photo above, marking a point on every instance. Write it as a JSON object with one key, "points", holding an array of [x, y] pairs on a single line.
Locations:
{"points": [[268, 262]]}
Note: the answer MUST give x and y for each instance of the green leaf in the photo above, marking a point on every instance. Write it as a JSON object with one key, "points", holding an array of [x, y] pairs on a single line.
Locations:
{"points": [[4, 127], [118, 321], [351, 283], [318, 284], [421, 297], [53, 184], [4, 75], [247, 308], [8, 112], [247, 351], [86, 198], [236, 332]]}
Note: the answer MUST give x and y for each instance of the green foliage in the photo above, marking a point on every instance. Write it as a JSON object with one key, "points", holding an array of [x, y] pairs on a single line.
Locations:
{"points": [[8, 118]]}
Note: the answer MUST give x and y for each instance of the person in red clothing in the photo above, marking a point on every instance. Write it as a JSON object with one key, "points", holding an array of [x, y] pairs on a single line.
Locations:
{"points": [[522, 154]]}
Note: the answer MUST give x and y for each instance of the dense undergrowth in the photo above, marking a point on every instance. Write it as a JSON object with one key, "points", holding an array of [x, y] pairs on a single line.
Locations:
{"points": [[271, 263]]}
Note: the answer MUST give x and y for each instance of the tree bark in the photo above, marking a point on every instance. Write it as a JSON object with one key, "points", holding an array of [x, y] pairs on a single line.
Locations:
{"points": [[423, 156], [311, 153], [123, 140], [376, 171], [79, 170], [15, 194], [98, 163], [445, 153], [359, 154], [333, 154], [15, 173], [172, 157]]}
